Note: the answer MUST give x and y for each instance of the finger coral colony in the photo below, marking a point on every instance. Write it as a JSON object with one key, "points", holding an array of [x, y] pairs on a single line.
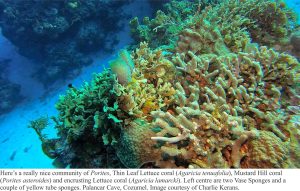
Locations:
{"points": [[211, 84]]}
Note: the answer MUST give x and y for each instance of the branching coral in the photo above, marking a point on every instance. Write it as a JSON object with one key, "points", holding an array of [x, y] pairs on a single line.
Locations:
{"points": [[222, 102], [267, 22], [215, 100], [205, 39], [263, 21]]}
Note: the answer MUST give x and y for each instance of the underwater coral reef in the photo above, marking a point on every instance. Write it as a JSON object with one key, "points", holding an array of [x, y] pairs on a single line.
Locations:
{"points": [[197, 91], [10, 92], [60, 35]]}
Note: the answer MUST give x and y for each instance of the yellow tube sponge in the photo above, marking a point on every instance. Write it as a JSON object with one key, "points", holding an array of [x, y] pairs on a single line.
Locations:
{"points": [[122, 66]]}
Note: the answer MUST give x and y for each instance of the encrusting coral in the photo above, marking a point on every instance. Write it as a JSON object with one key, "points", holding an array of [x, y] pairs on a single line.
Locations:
{"points": [[216, 100], [267, 152]]}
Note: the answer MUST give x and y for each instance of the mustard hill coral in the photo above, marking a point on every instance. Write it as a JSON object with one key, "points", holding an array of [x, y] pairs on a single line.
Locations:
{"points": [[135, 148], [267, 152]]}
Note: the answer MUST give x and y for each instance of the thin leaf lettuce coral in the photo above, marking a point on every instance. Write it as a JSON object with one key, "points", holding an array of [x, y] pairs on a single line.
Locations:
{"points": [[150, 88]]}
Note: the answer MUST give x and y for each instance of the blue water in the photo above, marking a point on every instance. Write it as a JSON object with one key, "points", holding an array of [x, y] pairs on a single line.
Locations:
{"points": [[19, 145]]}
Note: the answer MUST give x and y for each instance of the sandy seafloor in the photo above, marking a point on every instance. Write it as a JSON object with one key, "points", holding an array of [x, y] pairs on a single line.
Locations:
{"points": [[19, 145]]}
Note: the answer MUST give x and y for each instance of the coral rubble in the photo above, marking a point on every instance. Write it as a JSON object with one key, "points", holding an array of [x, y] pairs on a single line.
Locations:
{"points": [[220, 97]]}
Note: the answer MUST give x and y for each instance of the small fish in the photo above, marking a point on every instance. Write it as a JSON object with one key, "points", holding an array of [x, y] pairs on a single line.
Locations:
{"points": [[5, 140], [13, 155], [26, 149]]}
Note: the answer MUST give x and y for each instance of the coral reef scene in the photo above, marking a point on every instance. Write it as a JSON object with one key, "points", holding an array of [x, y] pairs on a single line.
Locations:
{"points": [[188, 84]]}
